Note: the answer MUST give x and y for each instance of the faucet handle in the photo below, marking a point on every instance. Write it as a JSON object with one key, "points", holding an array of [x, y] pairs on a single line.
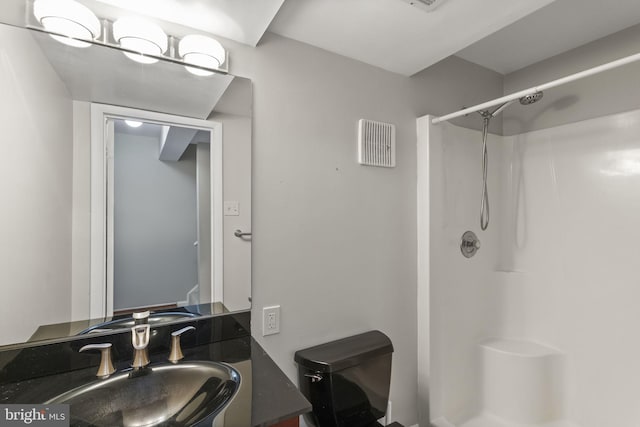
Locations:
{"points": [[176, 351], [106, 365], [140, 336], [141, 317], [140, 340]]}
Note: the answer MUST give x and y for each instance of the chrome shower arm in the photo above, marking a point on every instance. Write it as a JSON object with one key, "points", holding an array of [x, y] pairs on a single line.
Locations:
{"points": [[502, 107]]}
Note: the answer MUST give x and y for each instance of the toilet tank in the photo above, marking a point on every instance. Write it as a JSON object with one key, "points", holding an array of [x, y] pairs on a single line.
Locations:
{"points": [[346, 381]]}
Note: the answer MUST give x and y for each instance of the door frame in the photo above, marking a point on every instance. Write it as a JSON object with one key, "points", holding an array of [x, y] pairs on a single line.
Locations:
{"points": [[101, 286]]}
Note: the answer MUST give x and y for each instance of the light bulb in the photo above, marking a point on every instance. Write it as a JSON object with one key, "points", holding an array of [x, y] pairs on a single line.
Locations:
{"points": [[139, 35], [71, 21], [203, 52], [133, 123]]}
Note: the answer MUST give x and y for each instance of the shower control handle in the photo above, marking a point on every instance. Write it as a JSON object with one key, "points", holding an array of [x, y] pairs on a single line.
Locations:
{"points": [[469, 244]]}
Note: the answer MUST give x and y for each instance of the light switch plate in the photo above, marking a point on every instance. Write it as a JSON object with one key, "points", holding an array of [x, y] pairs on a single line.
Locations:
{"points": [[231, 208]]}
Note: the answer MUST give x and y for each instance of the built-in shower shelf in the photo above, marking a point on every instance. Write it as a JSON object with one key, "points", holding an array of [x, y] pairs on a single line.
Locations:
{"points": [[522, 382], [488, 420], [519, 348], [521, 386]]}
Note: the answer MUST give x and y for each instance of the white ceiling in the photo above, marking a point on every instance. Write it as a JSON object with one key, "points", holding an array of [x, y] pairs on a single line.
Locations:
{"points": [[503, 35], [244, 21], [394, 35], [556, 28]]}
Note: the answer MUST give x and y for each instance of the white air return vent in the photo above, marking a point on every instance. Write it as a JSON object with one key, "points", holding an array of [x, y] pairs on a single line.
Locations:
{"points": [[426, 5], [376, 144]]}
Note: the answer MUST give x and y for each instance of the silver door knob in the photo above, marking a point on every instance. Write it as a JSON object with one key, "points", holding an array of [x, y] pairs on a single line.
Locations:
{"points": [[240, 234]]}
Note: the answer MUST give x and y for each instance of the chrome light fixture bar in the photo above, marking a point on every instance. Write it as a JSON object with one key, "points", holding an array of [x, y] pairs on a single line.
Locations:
{"points": [[72, 23]]}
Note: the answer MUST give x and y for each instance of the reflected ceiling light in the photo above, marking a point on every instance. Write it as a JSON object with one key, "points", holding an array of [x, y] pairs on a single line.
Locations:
{"points": [[69, 19], [133, 123], [141, 36], [201, 51]]}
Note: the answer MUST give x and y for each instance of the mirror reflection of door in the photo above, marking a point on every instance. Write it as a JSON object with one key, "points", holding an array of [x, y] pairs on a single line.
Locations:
{"points": [[159, 208]]}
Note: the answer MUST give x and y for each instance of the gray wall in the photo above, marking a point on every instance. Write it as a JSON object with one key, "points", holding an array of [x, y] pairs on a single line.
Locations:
{"points": [[335, 242], [236, 163], [81, 219], [35, 184], [155, 261], [452, 84], [607, 93], [203, 187]]}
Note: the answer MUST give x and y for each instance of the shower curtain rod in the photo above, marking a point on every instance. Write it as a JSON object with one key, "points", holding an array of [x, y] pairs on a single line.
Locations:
{"points": [[539, 88]]}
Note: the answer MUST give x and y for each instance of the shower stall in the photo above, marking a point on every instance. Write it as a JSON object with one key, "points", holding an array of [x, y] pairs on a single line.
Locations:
{"points": [[541, 327]]}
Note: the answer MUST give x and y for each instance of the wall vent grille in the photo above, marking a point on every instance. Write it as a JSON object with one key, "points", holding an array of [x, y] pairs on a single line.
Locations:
{"points": [[376, 144]]}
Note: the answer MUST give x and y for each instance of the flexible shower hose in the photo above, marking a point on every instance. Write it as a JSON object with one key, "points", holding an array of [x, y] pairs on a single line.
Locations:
{"points": [[484, 206]]}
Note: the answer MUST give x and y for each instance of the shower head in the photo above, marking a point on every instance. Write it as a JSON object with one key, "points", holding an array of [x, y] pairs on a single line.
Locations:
{"points": [[525, 100], [531, 98]]}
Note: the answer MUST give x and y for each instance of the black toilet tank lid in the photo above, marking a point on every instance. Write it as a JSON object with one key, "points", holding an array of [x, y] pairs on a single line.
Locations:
{"points": [[344, 353]]}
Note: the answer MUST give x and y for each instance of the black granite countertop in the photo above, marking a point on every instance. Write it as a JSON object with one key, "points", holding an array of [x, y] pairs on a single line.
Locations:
{"points": [[265, 389], [273, 393]]}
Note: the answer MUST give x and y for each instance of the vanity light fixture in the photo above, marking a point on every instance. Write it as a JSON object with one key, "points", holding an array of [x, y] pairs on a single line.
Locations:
{"points": [[68, 21], [74, 24], [201, 51], [142, 36], [133, 123]]}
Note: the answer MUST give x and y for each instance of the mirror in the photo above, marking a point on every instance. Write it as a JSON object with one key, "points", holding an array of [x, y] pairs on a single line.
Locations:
{"points": [[160, 211], [59, 104]]}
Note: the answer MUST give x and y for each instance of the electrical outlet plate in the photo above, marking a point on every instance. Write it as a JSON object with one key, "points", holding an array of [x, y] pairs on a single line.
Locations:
{"points": [[270, 320]]}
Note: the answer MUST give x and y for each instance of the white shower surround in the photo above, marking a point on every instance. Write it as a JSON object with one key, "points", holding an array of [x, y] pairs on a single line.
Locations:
{"points": [[557, 265]]}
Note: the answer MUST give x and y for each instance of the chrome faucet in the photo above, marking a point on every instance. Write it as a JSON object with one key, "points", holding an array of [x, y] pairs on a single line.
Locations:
{"points": [[140, 334]]}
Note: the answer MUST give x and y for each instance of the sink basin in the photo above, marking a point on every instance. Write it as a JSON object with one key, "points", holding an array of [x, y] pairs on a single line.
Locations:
{"points": [[184, 394], [128, 322]]}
